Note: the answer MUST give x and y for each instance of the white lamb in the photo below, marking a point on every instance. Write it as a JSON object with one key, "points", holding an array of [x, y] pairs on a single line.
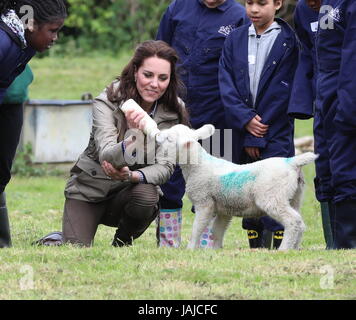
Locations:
{"points": [[217, 187]]}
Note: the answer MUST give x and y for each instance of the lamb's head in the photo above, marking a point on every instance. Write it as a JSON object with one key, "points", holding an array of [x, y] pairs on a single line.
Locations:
{"points": [[184, 141]]}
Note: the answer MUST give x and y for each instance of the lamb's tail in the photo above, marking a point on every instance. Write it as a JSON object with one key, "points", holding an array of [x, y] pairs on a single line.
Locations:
{"points": [[303, 159]]}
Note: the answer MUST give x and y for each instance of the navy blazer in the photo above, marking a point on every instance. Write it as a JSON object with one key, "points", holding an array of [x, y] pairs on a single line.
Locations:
{"points": [[198, 33], [273, 92], [13, 60], [303, 96]]}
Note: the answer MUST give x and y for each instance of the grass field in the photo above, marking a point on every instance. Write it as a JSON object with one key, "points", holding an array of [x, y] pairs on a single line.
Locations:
{"points": [[143, 271], [70, 77], [146, 272]]}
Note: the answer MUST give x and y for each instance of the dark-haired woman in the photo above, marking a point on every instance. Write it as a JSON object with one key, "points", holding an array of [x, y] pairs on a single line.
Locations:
{"points": [[105, 187], [18, 44]]}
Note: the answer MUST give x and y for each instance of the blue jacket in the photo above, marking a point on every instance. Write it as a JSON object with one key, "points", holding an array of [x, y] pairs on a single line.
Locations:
{"points": [[337, 65], [273, 92], [304, 87], [198, 34], [13, 60]]}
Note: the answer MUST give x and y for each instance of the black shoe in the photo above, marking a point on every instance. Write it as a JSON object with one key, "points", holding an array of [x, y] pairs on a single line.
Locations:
{"points": [[5, 237], [120, 241], [52, 239], [277, 238], [345, 225]]}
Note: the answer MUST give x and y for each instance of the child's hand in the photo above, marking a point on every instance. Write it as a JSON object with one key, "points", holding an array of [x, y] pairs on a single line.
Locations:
{"points": [[256, 127], [253, 152]]}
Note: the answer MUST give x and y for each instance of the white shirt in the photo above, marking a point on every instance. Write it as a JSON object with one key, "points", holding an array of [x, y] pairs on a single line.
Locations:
{"points": [[259, 48]]}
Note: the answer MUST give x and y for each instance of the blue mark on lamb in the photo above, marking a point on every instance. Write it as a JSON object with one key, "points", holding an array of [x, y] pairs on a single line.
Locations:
{"points": [[236, 180]]}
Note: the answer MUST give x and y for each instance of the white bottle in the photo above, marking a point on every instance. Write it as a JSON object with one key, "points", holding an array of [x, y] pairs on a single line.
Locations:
{"points": [[150, 127]]}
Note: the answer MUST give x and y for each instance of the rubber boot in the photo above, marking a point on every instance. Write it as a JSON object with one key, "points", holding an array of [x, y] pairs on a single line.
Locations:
{"points": [[325, 218], [169, 225], [207, 239], [267, 239], [259, 238], [332, 220], [5, 238], [345, 225], [277, 238]]}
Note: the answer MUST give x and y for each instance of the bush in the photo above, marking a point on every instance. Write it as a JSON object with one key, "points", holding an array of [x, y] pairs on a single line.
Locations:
{"points": [[116, 25], [110, 25]]}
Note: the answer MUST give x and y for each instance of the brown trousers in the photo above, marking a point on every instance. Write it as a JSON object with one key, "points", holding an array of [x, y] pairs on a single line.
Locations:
{"points": [[131, 211]]}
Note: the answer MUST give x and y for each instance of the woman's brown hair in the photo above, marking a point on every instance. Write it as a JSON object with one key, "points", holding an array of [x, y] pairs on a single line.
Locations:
{"points": [[127, 88]]}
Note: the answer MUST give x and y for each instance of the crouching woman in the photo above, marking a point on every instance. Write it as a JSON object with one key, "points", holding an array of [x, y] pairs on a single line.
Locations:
{"points": [[104, 186]]}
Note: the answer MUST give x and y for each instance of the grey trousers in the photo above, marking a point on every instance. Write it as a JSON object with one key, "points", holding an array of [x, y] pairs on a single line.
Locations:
{"points": [[131, 211]]}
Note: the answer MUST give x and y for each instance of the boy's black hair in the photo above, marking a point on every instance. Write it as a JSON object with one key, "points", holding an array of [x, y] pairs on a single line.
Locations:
{"points": [[44, 10]]}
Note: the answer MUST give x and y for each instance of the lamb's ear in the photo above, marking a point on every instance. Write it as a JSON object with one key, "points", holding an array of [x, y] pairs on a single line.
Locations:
{"points": [[204, 132]]}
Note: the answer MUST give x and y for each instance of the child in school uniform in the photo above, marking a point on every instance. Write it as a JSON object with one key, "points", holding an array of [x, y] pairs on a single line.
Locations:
{"points": [[18, 44], [256, 77], [336, 95], [303, 105], [196, 29]]}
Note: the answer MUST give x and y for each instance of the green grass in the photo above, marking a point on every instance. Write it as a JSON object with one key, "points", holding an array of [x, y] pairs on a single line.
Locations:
{"points": [[144, 271], [69, 77]]}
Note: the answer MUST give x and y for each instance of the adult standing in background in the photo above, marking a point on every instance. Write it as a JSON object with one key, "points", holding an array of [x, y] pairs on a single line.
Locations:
{"points": [[197, 30], [335, 47]]}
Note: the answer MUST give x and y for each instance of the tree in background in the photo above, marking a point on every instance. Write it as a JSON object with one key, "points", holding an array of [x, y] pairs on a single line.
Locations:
{"points": [[115, 25], [112, 25]]}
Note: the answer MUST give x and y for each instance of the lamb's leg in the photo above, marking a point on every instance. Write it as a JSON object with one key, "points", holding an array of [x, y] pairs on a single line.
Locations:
{"points": [[203, 216], [293, 229], [221, 223], [292, 222], [296, 204], [296, 201]]}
